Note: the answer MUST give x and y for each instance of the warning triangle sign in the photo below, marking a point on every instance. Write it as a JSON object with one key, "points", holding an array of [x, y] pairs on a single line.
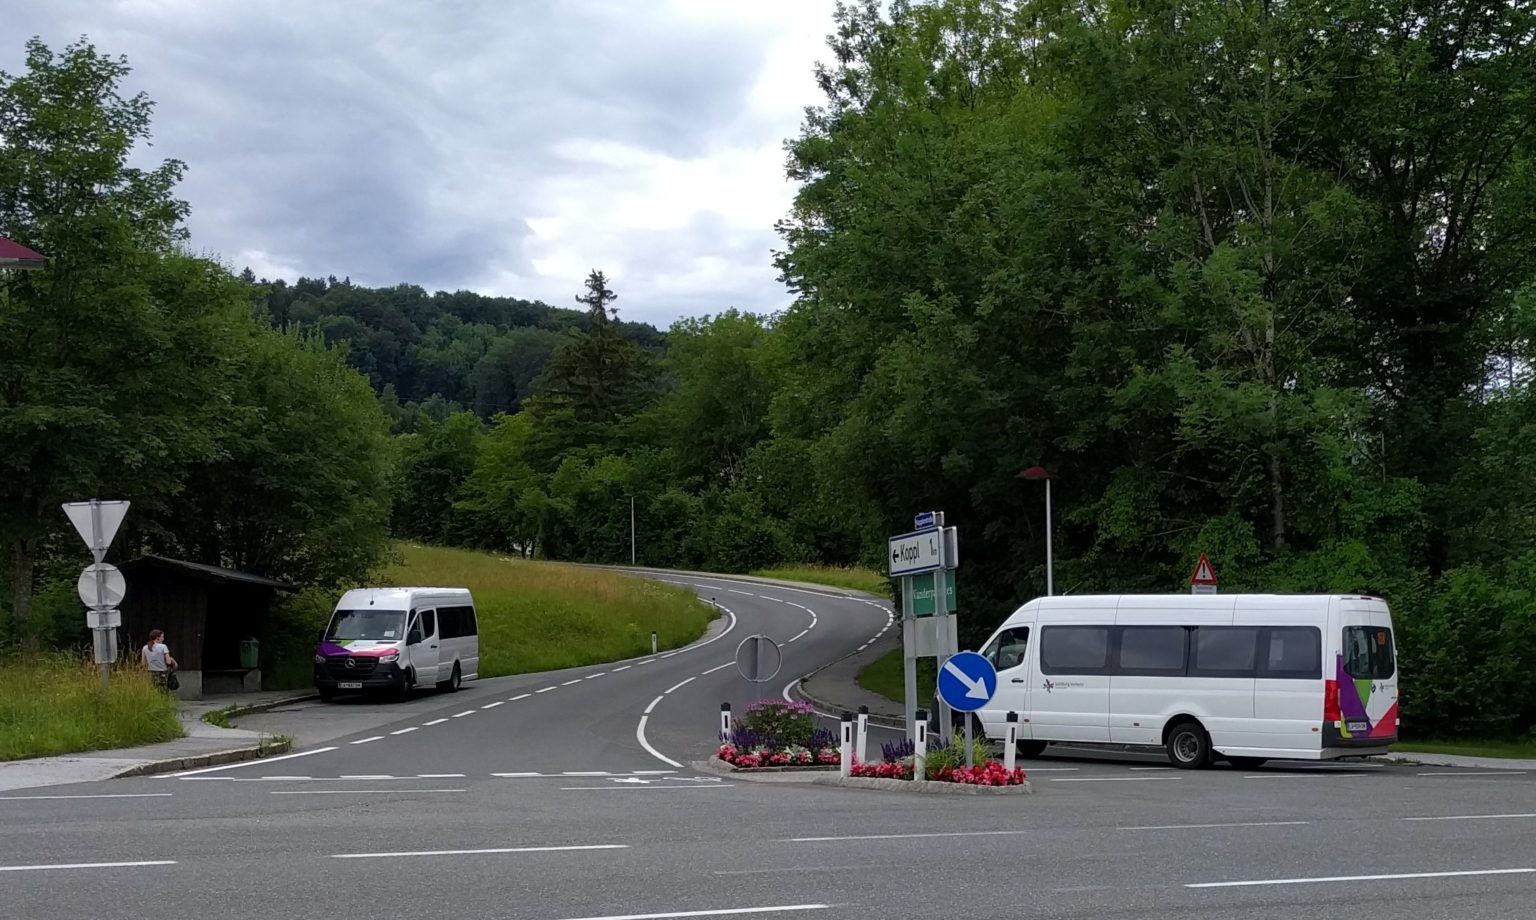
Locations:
{"points": [[1204, 574]]}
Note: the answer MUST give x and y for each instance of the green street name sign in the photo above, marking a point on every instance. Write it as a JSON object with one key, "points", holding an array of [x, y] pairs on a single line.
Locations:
{"points": [[922, 594]]}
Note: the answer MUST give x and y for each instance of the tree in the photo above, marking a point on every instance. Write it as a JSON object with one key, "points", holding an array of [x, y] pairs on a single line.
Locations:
{"points": [[435, 462], [598, 375], [95, 380]]}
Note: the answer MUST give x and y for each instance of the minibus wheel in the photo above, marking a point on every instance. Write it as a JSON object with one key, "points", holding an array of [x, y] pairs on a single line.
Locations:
{"points": [[1189, 747]]}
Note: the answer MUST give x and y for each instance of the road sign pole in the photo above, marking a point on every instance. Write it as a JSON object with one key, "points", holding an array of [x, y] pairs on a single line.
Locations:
{"points": [[909, 657], [947, 624], [1050, 577], [970, 748]]}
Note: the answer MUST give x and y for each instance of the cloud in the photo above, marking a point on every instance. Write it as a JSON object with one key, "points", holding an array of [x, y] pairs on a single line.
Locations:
{"points": [[506, 147]]}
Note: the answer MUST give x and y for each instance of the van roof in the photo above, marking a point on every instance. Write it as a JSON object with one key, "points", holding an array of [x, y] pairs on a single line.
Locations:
{"points": [[390, 598], [1196, 601]]}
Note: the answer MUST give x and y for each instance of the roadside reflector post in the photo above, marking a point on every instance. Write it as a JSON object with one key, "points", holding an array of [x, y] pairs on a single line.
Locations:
{"points": [[725, 721], [1011, 742], [863, 733], [845, 760], [653, 642], [920, 746]]}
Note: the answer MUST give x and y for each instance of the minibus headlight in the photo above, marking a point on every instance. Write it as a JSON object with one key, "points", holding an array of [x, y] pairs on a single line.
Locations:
{"points": [[319, 659], [391, 658]]}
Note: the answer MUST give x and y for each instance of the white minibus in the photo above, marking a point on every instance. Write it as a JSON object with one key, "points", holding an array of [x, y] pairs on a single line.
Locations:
{"points": [[394, 639], [1241, 677]]}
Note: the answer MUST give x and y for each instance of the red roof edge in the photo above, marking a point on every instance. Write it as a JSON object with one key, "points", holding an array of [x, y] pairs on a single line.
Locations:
{"points": [[15, 255]]}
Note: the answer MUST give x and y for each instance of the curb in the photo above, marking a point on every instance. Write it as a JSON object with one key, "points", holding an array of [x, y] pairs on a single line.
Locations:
{"points": [[717, 765], [921, 786], [236, 711], [214, 759], [832, 709], [1457, 760]]}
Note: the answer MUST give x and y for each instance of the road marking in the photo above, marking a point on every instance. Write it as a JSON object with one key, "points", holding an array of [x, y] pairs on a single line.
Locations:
{"points": [[1359, 878], [795, 869], [570, 682], [652, 772], [640, 788], [720, 668], [515, 775], [1203, 827], [646, 661], [1477, 773], [680, 685], [263, 761], [106, 865], [586, 773], [435, 722], [117, 795], [1119, 779], [598, 674], [724, 912], [368, 776], [624, 668], [640, 736], [742, 593], [1148, 769], [367, 740], [903, 836], [520, 696], [670, 654], [798, 635], [459, 715], [774, 599], [1469, 817], [1303, 775], [546, 689], [275, 779], [439, 776], [405, 731], [358, 791], [864, 646], [494, 705], [653, 704], [550, 849]]}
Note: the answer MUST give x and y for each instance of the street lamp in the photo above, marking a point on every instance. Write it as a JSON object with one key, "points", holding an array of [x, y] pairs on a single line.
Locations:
{"points": [[1033, 474]]}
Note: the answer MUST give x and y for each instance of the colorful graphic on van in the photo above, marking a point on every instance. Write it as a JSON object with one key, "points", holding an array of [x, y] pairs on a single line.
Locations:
{"points": [[1354, 696], [330, 648]]}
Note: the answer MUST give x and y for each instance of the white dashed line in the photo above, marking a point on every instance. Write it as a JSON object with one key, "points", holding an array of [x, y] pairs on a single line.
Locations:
{"points": [[515, 775], [646, 661], [653, 705], [405, 731], [553, 849], [1471, 817], [570, 682], [367, 776], [366, 740], [546, 689], [434, 722], [439, 776], [624, 668], [1193, 827], [460, 715], [680, 685], [798, 635], [1475, 773], [719, 668], [494, 705], [108, 865], [520, 696], [598, 674], [1359, 878]]}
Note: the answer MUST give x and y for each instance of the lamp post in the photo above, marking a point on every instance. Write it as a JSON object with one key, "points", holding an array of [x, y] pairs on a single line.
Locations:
{"points": [[631, 530], [1033, 474]]}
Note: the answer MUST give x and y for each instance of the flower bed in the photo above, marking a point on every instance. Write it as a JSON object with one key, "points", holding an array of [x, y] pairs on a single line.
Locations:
{"points": [[762, 757]]}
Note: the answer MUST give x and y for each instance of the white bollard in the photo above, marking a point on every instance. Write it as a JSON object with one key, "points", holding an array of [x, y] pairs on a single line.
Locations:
{"points": [[1011, 742], [845, 762], [920, 747], [863, 743], [653, 642], [725, 721]]}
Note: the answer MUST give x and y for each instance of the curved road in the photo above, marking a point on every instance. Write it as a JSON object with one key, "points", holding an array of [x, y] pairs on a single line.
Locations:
{"points": [[570, 795]]}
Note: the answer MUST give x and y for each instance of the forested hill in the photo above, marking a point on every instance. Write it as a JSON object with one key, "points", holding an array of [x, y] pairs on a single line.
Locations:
{"points": [[429, 355]]}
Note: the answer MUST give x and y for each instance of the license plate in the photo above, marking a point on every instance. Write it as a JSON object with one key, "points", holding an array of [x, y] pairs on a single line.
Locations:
{"points": [[358, 685], [1354, 727]]}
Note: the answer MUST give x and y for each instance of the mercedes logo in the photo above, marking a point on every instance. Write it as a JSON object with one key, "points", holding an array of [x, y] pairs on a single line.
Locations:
{"points": [[351, 663]]}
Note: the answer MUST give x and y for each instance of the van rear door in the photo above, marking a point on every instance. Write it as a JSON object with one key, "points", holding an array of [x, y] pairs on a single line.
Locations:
{"points": [[1365, 671]]}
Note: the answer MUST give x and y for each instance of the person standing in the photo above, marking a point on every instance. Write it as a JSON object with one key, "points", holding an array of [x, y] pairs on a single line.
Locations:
{"points": [[157, 659]]}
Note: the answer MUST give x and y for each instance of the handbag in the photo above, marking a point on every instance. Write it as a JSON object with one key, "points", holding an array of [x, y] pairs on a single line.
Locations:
{"points": [[171, 683]]}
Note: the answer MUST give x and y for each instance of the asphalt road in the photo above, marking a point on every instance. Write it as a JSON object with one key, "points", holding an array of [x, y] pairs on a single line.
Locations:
{"points": [[569, 795]]}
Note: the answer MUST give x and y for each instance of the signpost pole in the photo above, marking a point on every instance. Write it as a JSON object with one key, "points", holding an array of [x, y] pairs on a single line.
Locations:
{"points": [[970, 748], [909, 656], [946, 624]]}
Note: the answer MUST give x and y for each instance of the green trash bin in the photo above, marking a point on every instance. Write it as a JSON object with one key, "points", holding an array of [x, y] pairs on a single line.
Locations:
{"points": [[250, 653]]}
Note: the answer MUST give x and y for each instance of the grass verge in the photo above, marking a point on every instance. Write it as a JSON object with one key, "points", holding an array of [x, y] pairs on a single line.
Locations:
{"points": [[1522, 750], [53, 704], [852, 577], [884, 676], [542, 616]]}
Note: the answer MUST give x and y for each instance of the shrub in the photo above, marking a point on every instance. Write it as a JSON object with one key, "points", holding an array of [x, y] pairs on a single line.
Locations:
{"points": [[780, 723]]}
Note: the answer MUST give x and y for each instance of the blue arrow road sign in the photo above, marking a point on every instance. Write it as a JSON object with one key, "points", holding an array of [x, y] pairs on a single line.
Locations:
{"points": [[967, 681]]}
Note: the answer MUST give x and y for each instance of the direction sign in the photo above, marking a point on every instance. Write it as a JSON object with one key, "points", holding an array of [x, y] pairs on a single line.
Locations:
{"points": [[759, 658], [967, 681], [922, 595], [102, 586], [97, 523], [912, 553]]}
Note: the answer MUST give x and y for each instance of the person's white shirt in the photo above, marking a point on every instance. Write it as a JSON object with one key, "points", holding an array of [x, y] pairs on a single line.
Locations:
{"points": [[155, 655]]}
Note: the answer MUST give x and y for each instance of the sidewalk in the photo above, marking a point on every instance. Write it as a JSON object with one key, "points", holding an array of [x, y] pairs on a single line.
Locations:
{"points": [[1458, 760], [835, 689], [203, 745]]}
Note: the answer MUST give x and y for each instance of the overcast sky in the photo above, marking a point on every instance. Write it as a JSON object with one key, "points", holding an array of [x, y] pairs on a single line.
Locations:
{"points": [[503, 146]]}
